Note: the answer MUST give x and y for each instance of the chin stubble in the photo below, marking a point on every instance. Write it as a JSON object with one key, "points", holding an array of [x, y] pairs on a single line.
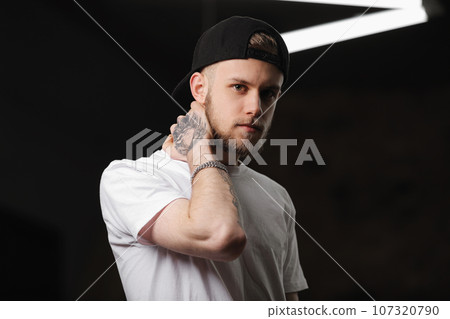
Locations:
{"points": [[240, 149]]}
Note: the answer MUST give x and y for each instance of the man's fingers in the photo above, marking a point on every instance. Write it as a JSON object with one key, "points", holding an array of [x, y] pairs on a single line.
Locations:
{"points": [[197, 106], [172, 128]]}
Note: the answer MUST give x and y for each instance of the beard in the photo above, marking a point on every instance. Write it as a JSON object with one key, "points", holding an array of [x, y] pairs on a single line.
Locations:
{"points": [[230, 143]]}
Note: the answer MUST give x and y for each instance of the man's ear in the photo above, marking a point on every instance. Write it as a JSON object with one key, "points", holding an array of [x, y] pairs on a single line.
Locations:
{"points": [[199, 87]]}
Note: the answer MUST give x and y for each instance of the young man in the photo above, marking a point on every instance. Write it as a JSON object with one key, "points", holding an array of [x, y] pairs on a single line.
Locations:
{"points": [[198, 228]]}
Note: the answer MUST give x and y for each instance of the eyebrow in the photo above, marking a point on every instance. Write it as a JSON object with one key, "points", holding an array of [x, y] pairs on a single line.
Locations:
{"points": [[242, 81]]}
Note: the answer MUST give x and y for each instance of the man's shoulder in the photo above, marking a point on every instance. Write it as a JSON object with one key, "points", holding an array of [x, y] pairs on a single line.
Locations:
{"points": [[145, 176], [122, 168], [159, 164]]}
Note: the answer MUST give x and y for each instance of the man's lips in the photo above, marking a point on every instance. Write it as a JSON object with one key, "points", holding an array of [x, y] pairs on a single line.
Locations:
{"points": [[250, 127]]}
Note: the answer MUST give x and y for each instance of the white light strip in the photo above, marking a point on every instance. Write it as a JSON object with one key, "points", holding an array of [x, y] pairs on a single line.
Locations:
{"points": [[392, 4], [342, 30]]}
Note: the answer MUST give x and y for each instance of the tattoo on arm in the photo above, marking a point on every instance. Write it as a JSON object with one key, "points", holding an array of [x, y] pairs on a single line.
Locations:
{"points": [[195, 126], [189, 126], [227, 180]]}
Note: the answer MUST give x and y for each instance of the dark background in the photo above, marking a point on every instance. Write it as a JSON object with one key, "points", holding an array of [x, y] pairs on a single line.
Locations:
{"points": [[377, 108]]}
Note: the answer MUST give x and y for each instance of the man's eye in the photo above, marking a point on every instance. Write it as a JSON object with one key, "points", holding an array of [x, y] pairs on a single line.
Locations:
{"points": [[238, 87], [268, 94]]}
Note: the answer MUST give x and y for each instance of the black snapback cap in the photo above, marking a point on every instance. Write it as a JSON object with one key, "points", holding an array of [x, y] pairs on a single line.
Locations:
{"points": [[229, 40]]}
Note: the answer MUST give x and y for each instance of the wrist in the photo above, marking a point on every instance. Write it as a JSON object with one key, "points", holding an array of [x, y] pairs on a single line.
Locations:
{"points": [[209, 164], [200, 153]]}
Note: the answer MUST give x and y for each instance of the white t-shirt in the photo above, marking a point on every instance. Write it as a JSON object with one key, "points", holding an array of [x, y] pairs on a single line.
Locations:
{"points": [[132, 192]]}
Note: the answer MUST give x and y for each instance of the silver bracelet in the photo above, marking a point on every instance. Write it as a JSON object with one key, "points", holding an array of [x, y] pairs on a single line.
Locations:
{"points": [[215, 164]]}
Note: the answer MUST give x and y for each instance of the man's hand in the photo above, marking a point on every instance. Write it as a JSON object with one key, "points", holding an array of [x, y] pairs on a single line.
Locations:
{"points": [[169, 148], [186, 134]]}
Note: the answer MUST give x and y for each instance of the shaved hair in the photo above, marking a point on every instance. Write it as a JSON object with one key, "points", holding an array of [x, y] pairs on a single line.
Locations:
{"points": [[259, 40], [210, 72]]}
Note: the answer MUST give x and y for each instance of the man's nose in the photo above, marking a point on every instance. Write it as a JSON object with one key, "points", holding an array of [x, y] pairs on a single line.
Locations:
{"points": [[253, 104]]}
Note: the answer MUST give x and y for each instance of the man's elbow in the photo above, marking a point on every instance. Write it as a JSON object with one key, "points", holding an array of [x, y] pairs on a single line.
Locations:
{"points": [[228, 243]]}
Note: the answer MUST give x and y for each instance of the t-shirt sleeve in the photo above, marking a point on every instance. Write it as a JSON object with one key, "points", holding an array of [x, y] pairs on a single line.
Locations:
{"points": [[131, 198], [293, 277]]}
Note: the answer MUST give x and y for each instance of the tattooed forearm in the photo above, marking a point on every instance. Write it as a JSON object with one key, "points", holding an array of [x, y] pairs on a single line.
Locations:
{"points": [[227, 180], [187, 132]]}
